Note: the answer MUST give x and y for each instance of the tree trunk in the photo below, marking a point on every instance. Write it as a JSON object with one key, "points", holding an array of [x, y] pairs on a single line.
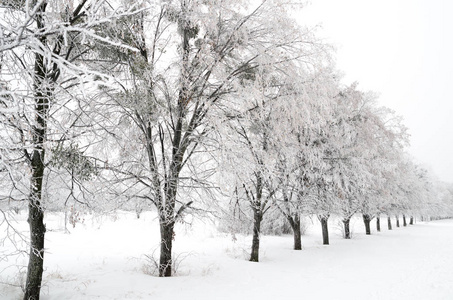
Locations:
{"points": [[166, 243], [36, 211], [367, 220], [296, 231], [397, 221], [42, 93], [325, 229], [404, 221], [411, 221], [66, 218], [378, 223], [36, 259], [347, 231], [257, 218], [389, 223], [167, 212]]}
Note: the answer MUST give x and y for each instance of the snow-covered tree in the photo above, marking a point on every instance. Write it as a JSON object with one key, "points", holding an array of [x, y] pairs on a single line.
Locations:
{"points": [[42, 83], [191, 58], [301, 153]]}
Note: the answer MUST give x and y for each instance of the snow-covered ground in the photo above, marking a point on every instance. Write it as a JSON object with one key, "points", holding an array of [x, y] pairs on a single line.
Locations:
{"points": [[104, 258]]}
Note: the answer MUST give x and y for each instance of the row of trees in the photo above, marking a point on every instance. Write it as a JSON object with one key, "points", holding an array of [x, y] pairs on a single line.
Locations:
{"points": [[350, 160], [190, 106]]}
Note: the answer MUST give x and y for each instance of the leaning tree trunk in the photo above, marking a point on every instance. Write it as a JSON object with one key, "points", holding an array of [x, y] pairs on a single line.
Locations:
{"points": [[397, 221], [257, 218], [367, 221], [411, 221], [325, 229], [404, 221], [389, 223], [378, 223], [347, 231]]}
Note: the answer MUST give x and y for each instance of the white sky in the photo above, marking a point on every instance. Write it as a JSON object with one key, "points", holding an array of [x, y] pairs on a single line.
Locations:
{"points": [[402, 49]]}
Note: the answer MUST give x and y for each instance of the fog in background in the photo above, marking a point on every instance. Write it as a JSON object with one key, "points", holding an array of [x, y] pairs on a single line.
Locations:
{"points": [[403, 50]]}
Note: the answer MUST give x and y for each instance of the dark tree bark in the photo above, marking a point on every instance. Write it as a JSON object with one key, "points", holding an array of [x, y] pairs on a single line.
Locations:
{"points": [[45, 76], [404, 221], [325, 229], [180, 142], [367, 220], [258, 203], [347, 231], [297, 237], [389, 223], [257, 218], [37, 232], [35, 210], [397, 221], [294, 222], [295, 225], [378, 223], [411, 221], [166, 244]]}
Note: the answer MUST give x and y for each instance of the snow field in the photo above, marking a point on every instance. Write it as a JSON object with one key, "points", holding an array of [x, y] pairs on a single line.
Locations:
{"points": [[104, 258]]}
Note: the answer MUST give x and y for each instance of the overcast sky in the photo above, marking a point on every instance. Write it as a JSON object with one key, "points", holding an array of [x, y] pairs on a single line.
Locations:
{"points": [[402, 49]]}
